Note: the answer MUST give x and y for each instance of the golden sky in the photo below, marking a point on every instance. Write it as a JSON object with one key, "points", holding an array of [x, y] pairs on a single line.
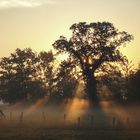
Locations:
{"points": [[38, 23]]}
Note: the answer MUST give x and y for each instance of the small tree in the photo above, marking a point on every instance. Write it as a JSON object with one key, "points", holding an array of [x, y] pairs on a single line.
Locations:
{"points": [[134, 86], [46, 70], [17, 74], [90, 46], [66, 82], [116, 78]]}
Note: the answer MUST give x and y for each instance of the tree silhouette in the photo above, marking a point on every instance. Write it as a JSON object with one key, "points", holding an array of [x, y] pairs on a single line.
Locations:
{"points": [[17, 75], [90, 46], [46, 70], [66, 83], [133, 86], [115, 77]]}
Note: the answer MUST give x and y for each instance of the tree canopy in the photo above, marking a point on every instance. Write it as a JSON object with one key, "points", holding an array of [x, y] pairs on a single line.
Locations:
{"points": [[90, 46], [28, 76]]}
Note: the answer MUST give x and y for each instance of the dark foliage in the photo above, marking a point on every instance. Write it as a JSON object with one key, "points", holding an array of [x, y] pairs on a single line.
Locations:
{"points": [[28, 76], [134, 86], [17, 76], [66, 82], [90, 46]]}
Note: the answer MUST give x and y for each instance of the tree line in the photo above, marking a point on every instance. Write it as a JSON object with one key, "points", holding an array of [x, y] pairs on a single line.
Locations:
{"points": [[28, 76], [94, 63]]}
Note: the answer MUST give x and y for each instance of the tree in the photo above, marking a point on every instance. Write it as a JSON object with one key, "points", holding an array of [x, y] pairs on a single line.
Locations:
{"points": [[116, 78], [134, 87], [46, 70], [17, 74], [90, 46], [66, 83]]}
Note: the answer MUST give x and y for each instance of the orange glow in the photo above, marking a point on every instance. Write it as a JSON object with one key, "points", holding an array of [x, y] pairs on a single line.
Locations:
{"points": [[115, 110], [39, 104], [76, 108]]}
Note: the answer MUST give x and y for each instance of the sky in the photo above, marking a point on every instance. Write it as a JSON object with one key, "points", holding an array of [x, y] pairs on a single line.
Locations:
{"points": [[38, 23]]}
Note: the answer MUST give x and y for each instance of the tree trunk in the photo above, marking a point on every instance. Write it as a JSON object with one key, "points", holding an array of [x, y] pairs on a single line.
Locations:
{"points": [[91, 90]]}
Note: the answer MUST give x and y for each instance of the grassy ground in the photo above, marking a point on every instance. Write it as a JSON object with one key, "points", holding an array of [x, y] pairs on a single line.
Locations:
{"points": [[71, 123], [21, 133]]}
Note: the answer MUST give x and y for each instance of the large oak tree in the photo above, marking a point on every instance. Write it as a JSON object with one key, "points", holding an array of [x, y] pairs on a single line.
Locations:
{"points": [[90, 46]]}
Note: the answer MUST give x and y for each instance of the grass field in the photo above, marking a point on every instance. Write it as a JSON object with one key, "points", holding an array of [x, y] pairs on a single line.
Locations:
{"points": [[71, 123], [23, 133]]}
